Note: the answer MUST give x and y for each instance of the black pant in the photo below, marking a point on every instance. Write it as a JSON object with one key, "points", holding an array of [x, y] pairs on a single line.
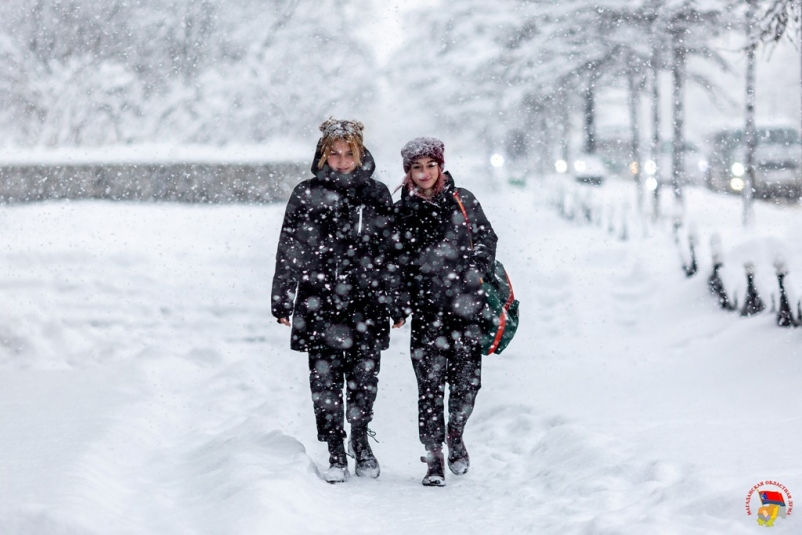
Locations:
{"points": [[329, 370], [445, 349]]}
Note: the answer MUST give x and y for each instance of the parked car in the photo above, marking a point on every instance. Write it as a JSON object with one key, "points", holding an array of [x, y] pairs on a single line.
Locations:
{"points": [[590, 169], [777, 163]]}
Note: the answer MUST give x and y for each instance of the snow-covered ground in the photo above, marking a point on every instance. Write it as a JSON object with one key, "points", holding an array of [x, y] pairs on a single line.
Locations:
{"points": [[146, 388]]}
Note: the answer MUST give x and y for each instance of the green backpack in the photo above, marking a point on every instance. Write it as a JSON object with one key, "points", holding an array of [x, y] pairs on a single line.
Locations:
{"points": [[500, 313]]}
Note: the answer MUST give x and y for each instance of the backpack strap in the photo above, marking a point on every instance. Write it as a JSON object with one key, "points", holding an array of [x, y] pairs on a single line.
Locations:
{"points": [[465, 215]]}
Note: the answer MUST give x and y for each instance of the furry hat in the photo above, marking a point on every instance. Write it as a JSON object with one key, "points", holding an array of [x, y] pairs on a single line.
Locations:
{"points": [[342, 129], [423, 147]]}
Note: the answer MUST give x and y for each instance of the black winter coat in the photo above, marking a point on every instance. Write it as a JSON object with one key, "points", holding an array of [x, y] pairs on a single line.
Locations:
{"points": [[331, 266], [440, 272]]}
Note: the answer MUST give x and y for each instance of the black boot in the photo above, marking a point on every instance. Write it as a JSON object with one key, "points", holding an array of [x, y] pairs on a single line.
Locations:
{"points": [[458, 459], [338, 469], [359, 448], [435, 472]]}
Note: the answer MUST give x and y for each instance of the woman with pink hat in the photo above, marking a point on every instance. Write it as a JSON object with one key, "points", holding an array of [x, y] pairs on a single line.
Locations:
{"points": [[444, 243]]}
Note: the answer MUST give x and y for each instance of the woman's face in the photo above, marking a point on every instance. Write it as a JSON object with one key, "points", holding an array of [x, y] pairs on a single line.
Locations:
{"points": [[425, 173], [341, 158]]}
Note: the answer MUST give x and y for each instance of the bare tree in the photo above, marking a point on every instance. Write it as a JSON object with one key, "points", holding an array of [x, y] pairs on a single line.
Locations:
{"points": [[635, 81], [590, 115], [656, 67], [678, 86], [749, 129], [690, 28]]}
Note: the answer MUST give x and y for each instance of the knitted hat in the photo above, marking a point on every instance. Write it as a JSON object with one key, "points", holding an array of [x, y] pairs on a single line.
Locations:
{"points": [[423, 147]]}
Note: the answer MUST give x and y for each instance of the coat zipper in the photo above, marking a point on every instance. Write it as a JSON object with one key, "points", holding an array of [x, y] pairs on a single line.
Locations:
{"points": [[359, 232]]}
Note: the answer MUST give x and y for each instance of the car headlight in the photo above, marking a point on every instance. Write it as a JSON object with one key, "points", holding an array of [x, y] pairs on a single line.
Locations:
{"points": [[561, 166], [497, 160], [737, 183], [580, 166], [651, 183], [650, 167], [738, 169]]}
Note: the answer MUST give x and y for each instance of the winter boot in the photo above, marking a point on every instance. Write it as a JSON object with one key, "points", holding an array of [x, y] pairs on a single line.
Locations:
{"points": [[359, 448], [435, 472], [458, 459], [338, 469]]}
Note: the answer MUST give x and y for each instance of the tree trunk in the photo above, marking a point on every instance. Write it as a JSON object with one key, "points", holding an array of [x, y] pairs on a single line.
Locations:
{"points": [[565, 119], [544, 162], [635, 166], [678, 156], [590, 118], [656, 128], [749, 128]]}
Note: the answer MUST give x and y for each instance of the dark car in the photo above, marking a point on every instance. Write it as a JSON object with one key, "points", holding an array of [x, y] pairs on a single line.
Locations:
{"points": [[589, 169], [777, 163]]}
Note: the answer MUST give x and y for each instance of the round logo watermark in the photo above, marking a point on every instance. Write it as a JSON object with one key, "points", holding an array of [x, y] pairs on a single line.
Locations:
{"points": [[775, 501]]}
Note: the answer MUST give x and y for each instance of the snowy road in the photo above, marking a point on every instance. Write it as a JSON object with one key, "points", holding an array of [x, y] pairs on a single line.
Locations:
{"points": [[146, 389]]}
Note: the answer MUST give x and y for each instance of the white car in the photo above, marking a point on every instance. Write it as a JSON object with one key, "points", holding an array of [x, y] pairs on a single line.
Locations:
{"points": [[590, 169]]}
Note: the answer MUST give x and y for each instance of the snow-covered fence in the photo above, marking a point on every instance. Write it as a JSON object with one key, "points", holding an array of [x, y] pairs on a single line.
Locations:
{"points": [[691, 266], [182, 182], [572, 205], [575, 206], [716, 287], [785, 317], [753, 304], [195, 177]]}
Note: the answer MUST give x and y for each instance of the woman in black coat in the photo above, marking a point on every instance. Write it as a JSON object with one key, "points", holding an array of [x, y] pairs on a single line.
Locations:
{"points": [[441, 258], [331, 278]]}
